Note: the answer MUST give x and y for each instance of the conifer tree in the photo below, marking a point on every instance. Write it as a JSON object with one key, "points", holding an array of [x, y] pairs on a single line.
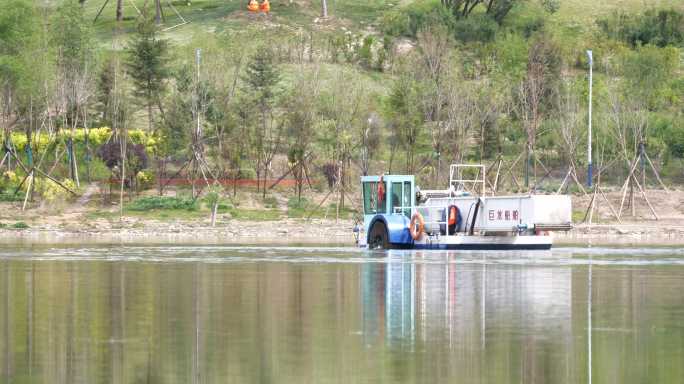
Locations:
{"points": [[261, 79], [148, 66]]}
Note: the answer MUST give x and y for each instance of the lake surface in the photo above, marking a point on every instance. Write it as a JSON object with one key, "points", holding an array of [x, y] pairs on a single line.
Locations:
{"points": [[340, 315]]}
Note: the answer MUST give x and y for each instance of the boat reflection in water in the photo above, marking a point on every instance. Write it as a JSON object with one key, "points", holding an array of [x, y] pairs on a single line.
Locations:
{"points": [[445, 308]]}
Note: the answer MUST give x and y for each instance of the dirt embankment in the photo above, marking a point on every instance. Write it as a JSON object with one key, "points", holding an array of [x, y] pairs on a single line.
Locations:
{"points": [[87, 221]]}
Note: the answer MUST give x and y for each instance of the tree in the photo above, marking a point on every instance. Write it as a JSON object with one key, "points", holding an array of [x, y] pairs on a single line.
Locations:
{"points": [[344, 107], [436, 70], [403, 108], [496, 9], [19, 77], [536, 91], [75, 51], [105, 91], [174, 130], [300, 120], [261, 86], [148, 66], [18, 39]]}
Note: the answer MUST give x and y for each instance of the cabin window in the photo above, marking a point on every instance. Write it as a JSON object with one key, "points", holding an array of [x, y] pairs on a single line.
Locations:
{"points": [[407, 203], [370, 198], [396, 197]]}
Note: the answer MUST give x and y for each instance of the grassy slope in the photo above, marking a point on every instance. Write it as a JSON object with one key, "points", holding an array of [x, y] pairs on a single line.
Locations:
{"points": [[218, 15]]}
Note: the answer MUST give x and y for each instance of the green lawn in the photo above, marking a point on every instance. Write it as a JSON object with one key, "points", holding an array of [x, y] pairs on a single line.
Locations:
{"points": [[215, 16]]}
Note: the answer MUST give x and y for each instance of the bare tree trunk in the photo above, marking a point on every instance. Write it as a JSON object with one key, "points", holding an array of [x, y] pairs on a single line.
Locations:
{"points": [[214, 210], [157, 11], [119, 10], [391, 160], [150, 117], [123, 174], [160, 174]]}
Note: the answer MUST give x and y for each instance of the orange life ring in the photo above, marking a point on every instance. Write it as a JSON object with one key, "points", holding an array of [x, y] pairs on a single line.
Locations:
{"points": [[417, 226]]}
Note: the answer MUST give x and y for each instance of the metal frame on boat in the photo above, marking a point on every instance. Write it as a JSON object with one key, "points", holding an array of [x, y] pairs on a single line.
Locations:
{"points": [[398, 215]]}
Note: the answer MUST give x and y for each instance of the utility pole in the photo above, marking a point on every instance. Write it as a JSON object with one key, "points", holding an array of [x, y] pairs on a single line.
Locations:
{"points": [[589, 165], [324, 11], [198, 55]]}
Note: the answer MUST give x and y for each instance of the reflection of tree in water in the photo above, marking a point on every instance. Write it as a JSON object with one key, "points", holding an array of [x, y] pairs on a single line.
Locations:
{"points": [[406, 316]]}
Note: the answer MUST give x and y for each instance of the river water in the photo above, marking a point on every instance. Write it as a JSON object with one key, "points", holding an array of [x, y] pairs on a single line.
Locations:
{"points": [[340, 315]]}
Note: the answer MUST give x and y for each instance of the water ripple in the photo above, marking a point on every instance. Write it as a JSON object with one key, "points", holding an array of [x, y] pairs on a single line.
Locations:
{"points": [[349, 255]]}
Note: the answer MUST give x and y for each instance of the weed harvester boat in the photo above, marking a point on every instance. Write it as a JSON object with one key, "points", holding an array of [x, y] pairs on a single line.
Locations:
{"points": [[396, 214]]}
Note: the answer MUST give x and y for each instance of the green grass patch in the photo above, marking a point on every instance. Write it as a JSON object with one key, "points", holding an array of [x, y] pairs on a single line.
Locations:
{"points": [[577, 216], [254, 214], [9, 197], [167, 214], [163, 203], [152, 214], [19, 225]]}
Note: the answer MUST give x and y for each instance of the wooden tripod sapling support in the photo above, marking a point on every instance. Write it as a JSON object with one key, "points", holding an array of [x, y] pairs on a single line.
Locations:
{"points": [[631, 180], [598, 191]]}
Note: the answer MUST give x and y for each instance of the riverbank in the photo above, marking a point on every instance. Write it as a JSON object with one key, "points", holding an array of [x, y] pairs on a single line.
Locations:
{"points": [[303, 232], [132, 231], [93, 220]]}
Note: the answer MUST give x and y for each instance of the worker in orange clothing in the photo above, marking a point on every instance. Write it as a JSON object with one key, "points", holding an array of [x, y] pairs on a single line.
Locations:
{"points": [[265, 6], [253, 6]]}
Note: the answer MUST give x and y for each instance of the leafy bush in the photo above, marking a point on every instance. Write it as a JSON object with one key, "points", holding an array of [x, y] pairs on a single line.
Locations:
{"points": [[223, 208], [475, 28], [9, 181], [144, 179], [149, 140], [365, 52], [296, 207], [270, 202], [163, 202], [97, 168], [526, 20], [51, 191], [96, 137], [19, 225], [407, 21], [8, 197], [670, 134], [657, 27], [247, 173], [212, 195], [136, 156]]}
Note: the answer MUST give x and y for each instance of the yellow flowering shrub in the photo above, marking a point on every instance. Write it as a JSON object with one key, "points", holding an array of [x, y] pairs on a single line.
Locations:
{"points": [[9, 180], [145, 179], [96, 137], [51, 191], [151, 141]]}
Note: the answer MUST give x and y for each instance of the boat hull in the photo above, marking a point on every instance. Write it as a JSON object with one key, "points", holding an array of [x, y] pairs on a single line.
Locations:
{"points": [[465, 242]]}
